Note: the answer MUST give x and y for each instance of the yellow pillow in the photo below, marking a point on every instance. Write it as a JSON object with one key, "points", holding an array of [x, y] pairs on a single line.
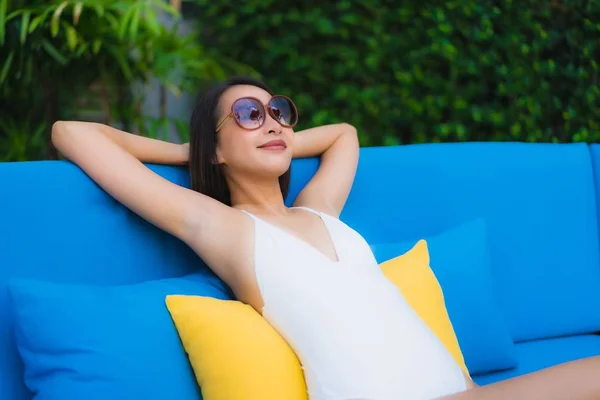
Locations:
{"points": [[234, 352], [412, 274]]}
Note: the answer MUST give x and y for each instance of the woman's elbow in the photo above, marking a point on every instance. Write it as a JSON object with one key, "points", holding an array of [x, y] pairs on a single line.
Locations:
{"points": [[61, 129], [64, 129], [349, 129], [63, 132], [350, 135]]}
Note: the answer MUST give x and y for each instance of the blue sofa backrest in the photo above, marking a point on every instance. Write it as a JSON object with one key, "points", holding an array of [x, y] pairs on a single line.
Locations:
{"points": [[540, 207], [58, 225], [538, 200]]}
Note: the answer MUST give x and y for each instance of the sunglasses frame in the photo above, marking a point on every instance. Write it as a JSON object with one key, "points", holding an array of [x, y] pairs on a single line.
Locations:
{"points": [[266, 109]]}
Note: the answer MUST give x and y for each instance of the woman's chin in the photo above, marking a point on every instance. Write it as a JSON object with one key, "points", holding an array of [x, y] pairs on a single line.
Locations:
{"points": [[276, 164], [275, 170]]}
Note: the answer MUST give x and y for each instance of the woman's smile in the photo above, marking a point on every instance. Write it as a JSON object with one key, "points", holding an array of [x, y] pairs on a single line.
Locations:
{"points": [[274, 145]]}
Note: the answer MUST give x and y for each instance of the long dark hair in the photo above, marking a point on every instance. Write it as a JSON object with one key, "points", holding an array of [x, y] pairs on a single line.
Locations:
{"points": [[207, 177]]}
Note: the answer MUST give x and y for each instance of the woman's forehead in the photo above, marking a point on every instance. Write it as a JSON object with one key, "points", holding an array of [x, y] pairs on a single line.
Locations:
{"points": [[235, 92]]}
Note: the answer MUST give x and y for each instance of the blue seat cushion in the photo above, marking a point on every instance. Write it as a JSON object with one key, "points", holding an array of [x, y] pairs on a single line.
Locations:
{"points": [[460, 261], [105, 342], [539, 354]]}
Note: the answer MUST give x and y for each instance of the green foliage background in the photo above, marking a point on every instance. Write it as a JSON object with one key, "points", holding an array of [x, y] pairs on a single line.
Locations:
{"points": [[92, 60], [416, 71]]}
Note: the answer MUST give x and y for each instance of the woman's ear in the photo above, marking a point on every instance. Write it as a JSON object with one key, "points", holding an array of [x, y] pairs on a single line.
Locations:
{"points": [[218, 158]]}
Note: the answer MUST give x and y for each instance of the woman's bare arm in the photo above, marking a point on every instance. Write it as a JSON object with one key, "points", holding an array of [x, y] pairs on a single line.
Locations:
{"points": [[145, 149], [338, 146], [575, 380], [114, 160]]}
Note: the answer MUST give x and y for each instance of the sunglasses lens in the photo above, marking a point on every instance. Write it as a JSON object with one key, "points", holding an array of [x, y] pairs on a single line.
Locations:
{"points": [[249, 113], [283, 111]]}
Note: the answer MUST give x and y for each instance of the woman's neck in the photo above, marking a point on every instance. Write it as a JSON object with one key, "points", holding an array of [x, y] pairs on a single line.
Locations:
{"points": [[260, 197]]}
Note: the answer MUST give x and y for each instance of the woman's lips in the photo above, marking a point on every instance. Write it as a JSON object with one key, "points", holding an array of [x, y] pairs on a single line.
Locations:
{"points": [[274, 145]]}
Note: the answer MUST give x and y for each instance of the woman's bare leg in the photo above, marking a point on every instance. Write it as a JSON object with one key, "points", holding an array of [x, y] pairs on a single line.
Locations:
{"points": [[575, 380]]}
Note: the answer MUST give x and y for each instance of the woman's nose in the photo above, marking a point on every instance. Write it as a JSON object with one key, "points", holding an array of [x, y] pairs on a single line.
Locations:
{"points": [[273, 126]]}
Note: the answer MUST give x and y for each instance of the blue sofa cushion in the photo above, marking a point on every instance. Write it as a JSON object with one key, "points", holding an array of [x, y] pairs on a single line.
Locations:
{"points": [[539, 354], [105, 342], [460, 261], [539, 204], [57, 225]]}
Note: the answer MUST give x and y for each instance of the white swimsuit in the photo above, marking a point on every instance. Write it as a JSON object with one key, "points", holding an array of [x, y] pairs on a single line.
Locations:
{"points": [[352, 330]]}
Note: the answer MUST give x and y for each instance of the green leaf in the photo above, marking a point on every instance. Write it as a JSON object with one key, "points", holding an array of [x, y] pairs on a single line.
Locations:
{"points": [[96, 45], [14, 14], [54, 25], [135, 22], [53, 52], [77, 9], [125, 21], [3, 6], [35, 22], [40, 19], [24, 26], [112, 20], [152, 21], [121, 61], [351, 19], [99, 10], [6, 66], [82, 48], [173, 89], [71, 36]]}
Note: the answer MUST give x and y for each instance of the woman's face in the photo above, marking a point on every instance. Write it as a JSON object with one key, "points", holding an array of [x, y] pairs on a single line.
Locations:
{"points": [[265, 152]]}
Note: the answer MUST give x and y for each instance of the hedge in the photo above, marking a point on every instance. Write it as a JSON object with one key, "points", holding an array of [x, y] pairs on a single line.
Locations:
{"points": [[419, 71]]}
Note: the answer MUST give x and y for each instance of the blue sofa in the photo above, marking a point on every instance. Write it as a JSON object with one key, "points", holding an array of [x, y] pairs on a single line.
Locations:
{"points": [[538, 201]]}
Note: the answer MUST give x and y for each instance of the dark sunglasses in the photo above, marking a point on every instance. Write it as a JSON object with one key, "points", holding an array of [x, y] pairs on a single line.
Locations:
{"points": [[249, 112]]}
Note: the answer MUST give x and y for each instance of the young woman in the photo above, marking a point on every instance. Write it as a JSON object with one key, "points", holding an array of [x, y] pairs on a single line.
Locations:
{"points": [[310, 275]]}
